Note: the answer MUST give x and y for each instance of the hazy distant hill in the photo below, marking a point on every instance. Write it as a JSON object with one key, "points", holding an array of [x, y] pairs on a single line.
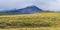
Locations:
{"points": [[27, 10]]}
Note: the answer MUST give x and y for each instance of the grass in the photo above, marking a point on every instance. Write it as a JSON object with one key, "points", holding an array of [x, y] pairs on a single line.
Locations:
{"points": [[37, 21], [42, 28]]}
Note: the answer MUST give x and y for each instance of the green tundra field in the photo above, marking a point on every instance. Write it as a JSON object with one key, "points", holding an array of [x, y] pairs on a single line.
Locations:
{"points": [[37, 21]]}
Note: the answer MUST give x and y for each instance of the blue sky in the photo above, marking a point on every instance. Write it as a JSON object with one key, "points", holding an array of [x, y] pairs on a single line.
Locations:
{"points": [[42, 4]]}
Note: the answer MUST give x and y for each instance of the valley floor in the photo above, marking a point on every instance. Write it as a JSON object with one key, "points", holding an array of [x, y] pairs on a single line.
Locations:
{"points": [[46, 21], [42, 28]]}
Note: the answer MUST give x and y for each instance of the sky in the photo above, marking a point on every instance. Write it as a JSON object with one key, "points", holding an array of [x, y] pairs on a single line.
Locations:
{"points": [[53, 5]]}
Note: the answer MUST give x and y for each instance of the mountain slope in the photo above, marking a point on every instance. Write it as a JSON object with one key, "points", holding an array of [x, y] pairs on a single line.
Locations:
{"points": [[27, 10]]}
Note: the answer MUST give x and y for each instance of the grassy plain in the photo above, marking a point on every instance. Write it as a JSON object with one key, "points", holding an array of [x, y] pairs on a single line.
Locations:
{"points": [[37, 21]]}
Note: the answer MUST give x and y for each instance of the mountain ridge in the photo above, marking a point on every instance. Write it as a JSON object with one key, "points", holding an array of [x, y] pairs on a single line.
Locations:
{"points": [[27, 10]]}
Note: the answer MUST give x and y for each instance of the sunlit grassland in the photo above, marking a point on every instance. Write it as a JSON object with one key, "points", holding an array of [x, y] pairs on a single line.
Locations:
{"points": [[37, 21], [42, 28]]}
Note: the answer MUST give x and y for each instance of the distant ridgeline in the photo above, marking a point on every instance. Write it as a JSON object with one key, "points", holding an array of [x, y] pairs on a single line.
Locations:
{"points": [[27, 10]]}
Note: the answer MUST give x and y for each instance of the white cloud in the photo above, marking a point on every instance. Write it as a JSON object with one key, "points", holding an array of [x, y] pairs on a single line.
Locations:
{"points": [[43, 4]]}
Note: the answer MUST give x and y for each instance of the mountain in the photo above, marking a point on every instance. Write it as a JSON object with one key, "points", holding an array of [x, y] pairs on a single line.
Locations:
{"points": [[27, 10]]}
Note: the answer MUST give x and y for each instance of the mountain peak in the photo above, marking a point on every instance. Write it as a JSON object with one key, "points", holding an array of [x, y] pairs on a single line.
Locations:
{"points": [[27, 10], [31, 6]]}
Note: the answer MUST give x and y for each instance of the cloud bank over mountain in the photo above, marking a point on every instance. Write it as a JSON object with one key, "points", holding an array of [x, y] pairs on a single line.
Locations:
{"points": [[43, 4]]}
